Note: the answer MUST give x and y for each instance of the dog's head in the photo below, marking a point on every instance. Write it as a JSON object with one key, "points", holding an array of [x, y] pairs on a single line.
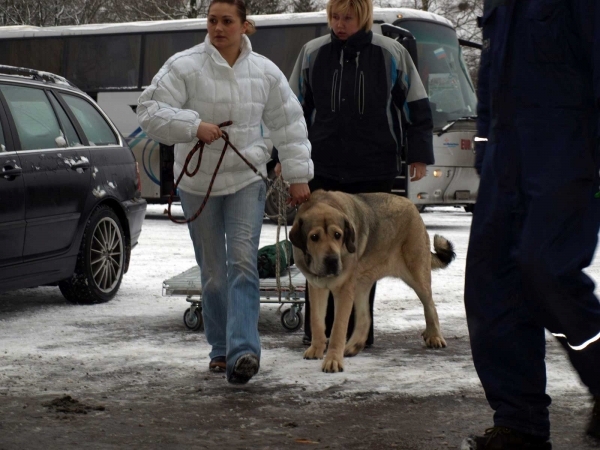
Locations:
{"points": [[324, 234]]}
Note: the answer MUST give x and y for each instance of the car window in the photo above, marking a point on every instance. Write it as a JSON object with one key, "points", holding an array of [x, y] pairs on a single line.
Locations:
{"points": [[34, 118], [2, 141], [67, 126], [94, 126]]}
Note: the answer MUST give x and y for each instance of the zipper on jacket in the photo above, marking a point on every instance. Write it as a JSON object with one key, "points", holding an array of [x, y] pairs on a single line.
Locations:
{"points": [[361, 89], [359, 86], [333, 86], [361, 93], [341, 76]]}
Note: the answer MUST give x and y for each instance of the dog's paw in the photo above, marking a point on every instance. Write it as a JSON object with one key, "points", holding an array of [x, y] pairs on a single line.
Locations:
{"points": [[314, 353], [333, 364], [434, 340], [353, 348]]}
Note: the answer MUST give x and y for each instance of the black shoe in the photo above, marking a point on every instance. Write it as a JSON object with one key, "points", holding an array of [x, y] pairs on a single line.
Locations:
{"points": [[217, 364], [245, 368], [593, 428], [502, 438], [306, 340]]}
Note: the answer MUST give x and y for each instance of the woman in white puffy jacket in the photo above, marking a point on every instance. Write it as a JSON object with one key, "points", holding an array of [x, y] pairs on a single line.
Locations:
{"points": [[218, 81]]}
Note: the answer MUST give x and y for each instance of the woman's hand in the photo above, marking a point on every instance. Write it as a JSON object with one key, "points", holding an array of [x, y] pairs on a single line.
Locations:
{"points": [[300, 193], [208, 132], [417, 171]]}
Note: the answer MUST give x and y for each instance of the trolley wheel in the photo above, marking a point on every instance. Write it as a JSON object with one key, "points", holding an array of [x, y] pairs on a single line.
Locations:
{"points": [[291, 320], [193, 321]]}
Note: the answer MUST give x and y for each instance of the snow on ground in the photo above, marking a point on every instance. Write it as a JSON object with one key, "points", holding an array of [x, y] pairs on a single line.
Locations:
{"points": [[47, 344]]}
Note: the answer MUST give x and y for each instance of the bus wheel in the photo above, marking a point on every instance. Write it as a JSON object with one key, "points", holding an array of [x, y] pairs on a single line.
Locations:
{"points": [[470, 208], [421, 208]]}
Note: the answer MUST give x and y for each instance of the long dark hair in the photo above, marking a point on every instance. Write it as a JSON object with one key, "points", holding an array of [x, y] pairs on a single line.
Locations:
{"points": [[240, 7]]}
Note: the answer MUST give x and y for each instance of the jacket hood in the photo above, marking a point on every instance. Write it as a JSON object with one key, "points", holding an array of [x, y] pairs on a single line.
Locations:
{"points": [[354, 44]]}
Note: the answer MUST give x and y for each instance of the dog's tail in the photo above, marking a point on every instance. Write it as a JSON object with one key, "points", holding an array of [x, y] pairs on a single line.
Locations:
{"points": [[444, 253]]}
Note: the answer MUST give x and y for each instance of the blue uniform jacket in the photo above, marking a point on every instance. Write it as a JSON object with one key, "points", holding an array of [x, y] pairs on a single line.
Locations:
{"points": [[555, 79]]}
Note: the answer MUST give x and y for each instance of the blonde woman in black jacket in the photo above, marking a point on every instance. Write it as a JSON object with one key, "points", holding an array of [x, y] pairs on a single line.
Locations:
{"points": [[362, 99]]}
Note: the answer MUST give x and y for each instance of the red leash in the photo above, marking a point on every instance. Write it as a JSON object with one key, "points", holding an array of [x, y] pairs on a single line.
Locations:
{"points": [[200, 147]]}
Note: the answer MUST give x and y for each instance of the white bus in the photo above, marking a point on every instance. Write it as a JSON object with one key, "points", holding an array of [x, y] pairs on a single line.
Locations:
{"points": [[113, 63]]}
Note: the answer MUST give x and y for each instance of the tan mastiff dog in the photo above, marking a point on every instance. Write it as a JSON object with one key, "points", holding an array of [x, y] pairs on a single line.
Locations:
{"points": [[344, 243]]}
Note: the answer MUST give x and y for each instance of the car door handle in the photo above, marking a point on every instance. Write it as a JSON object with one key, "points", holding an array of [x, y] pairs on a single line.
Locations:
{"points": [[80, 165], [10, 172]]}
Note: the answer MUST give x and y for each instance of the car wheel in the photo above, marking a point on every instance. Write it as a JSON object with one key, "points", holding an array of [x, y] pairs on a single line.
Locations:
{"points": [[101, 260], [272, 204]]}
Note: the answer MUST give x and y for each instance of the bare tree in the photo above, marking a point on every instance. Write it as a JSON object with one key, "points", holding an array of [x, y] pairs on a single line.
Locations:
{"points": [[304, 6], [258, 7]]}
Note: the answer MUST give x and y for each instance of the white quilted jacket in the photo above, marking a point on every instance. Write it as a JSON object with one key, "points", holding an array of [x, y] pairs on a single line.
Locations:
{"points": [[198, 84]]}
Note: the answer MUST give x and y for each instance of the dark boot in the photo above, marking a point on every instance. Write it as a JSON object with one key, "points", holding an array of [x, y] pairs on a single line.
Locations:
{"points": [[502, 438], [593, 428], [245, 368]]}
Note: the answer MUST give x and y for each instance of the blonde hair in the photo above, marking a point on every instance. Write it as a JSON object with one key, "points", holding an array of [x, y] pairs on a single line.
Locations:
{"points": [[362, 8]]}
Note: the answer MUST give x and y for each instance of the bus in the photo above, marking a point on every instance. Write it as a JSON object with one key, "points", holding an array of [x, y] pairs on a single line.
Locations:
{"points": [[114, 62]]}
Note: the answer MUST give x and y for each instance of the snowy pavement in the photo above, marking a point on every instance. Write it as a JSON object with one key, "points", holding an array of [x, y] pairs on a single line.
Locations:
{"points": [[49, 346]]}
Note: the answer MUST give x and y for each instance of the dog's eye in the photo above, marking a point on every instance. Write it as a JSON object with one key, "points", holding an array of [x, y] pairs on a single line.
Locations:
{"points": [[337, 235], [314, 237]]}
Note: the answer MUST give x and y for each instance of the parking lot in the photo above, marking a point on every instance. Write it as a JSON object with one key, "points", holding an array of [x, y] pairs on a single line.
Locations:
{"points": [[137, 378]]}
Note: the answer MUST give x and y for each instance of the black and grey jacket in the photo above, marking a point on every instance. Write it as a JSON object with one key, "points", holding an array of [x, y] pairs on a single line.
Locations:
{"points": [[358, 97]]}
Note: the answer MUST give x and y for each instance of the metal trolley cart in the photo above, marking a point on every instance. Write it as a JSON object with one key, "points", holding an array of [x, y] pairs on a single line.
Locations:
{"points": [[188, 284]]}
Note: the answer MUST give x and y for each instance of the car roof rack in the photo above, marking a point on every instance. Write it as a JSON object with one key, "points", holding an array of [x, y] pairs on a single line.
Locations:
{"points": [[37, 75]]}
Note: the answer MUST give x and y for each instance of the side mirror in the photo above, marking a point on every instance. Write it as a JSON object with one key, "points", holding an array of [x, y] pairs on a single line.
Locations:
{"points": [[403, 36]]}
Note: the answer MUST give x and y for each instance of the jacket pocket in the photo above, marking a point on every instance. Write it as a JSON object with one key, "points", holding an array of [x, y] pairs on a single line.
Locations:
{"points": [[546, 27]]}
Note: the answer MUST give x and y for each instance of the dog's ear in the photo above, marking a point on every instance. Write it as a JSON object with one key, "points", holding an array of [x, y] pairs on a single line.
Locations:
{"points": [[349, 236], [297, 236]]}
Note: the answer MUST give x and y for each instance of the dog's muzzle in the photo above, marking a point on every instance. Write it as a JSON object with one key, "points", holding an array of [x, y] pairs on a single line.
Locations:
{"points": [[331, 264]]}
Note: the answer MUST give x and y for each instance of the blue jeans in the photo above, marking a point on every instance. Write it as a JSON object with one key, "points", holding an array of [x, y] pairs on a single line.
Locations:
{"points": [[226, 237]]}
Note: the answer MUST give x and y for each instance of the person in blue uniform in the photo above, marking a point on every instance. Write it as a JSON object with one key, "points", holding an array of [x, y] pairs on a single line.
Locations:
{"points": [[535, 226]]}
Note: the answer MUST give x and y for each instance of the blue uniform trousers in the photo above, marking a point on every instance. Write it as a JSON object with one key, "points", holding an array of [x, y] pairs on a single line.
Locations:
{"points": [[534, 229]]}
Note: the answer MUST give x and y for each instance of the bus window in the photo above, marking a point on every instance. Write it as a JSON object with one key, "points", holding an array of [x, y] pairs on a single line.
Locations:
{"points": [[161, 46], [40, 54], [104, 62], [443, 72], [290, 40]]}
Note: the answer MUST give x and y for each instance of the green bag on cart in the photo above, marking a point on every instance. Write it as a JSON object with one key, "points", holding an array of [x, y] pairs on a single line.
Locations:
{"points": [[267, 259]]}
